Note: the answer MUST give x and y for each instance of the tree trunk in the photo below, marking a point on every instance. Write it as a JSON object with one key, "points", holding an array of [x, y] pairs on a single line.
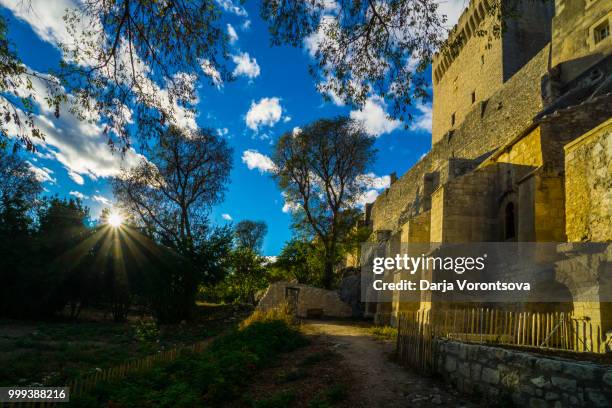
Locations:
{"points": [[328, 270]]}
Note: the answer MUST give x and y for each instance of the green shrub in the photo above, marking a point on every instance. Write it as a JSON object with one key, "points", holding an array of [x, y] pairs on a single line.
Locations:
{"points": [[281, 400], [146, 331], [209, 378], [384, 332]]}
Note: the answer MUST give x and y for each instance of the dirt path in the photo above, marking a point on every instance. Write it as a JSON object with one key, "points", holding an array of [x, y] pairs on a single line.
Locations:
{"points": [[384, 383]]}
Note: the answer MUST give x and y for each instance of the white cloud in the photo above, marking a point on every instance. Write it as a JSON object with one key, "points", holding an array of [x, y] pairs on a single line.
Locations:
{"points": [[78, 195], [255, 160], [79, 145], [289, 206], [373, 185], [222, 132], [229, 6], [452, 9], [296, 131], [245, 65], [287, 119], [42, 174], [371, 180], [246, 25], [321, 35], [226, 217], [102, 200], [76, 177], [231, 32], [212, 73], [367, 197], [46, 20], [422, 121], [373, 117], [267, 111]]}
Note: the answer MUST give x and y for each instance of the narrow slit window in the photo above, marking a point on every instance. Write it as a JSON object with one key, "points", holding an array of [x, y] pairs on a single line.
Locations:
{"points": [[509, 230], [453, 119], [473, 96]]}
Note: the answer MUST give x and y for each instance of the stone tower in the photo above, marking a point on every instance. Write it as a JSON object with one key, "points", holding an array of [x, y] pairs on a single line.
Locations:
{"points": [[476, 68]]}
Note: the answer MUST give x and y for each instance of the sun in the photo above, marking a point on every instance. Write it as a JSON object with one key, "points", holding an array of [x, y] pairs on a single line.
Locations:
{"points": [[115, 219]]}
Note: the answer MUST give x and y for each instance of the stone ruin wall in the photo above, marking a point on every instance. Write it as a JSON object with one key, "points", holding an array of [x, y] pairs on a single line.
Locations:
{"points": [[518, 378]]}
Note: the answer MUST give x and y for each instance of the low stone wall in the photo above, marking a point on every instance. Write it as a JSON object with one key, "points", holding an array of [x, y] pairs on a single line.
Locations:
{"points": [[309, 298], [524, 379]]}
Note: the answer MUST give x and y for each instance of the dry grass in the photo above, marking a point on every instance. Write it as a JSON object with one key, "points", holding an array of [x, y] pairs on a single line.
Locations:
{"points": [[281, 312]]}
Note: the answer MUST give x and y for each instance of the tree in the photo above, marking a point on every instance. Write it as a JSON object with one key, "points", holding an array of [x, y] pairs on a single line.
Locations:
{"points": [[248, 274], [17, 181], [173, 190], [301, 260], [250, 234], [17, 94], [63, 227], [321, 172], [139, 60], [19, 190], [364, 48], [170, 195]]}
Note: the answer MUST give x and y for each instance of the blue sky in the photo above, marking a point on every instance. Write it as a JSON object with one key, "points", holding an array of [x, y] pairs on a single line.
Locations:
{"points": [[273, 93]]}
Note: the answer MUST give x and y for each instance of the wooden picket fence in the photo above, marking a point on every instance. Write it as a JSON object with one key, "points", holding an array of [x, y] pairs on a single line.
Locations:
{"points": [[416, 343], [417, 332], [89, 382]]}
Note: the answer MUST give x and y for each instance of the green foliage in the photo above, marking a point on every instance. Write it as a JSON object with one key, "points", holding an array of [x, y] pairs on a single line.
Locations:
{"points": [[211, 378], [384, 332], [301, 260], [281, 399], [327, 399], [146, 331], [321, 172], [250, 234]]}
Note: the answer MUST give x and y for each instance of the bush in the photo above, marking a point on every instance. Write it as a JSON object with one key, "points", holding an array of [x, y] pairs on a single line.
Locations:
{"points": [[210, 378]]}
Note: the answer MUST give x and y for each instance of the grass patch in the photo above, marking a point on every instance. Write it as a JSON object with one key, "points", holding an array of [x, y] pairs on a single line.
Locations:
{"points": [[292, 375], [57, 352], [332, 396], [210, 378], [384, 332], [282, 399]]}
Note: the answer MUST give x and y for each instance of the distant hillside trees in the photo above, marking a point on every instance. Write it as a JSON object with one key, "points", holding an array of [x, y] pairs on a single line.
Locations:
{"points": [[320, 172]]}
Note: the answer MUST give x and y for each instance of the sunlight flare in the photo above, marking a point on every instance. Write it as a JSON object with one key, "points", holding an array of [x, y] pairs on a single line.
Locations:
{"points": [[115, 219]]}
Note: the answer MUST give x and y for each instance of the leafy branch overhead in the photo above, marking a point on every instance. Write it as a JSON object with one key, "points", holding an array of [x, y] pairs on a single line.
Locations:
{"points": [[363, 47], [138, 61]]}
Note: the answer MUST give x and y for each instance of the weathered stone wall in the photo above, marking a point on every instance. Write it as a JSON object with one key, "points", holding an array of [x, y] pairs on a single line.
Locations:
{"points": [[573, 39], [588, 186], [469, 74], [467, 212], [524, 379], [309, 298], [476, 69], [485, 128]]}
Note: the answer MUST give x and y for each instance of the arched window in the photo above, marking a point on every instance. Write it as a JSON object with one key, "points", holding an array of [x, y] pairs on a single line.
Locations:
{"points": [[509, 222]]}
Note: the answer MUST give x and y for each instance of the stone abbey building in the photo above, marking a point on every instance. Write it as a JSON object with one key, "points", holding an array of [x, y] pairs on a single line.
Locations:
{"points": [[521, 141]]}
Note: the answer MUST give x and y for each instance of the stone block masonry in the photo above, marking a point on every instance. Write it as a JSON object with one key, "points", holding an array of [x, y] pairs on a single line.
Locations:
{"points": [[524, 379]]}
